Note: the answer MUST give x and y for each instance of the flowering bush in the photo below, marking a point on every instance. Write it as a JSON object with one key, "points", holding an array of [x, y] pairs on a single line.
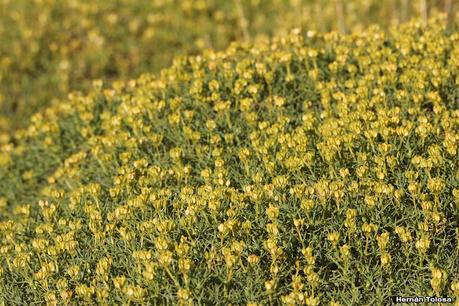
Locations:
{"points": [[304, 170], [50, 47]]}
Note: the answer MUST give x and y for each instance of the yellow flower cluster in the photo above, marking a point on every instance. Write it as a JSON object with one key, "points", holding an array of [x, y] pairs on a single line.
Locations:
{"points": [[51, 47], [304, 170]]}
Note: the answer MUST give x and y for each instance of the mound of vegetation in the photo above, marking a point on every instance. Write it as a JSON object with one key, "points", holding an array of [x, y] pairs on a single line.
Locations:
{"points": [[51, 47], [305, 170]]}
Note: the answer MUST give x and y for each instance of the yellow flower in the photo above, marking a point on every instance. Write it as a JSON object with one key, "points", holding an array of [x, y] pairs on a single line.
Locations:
{"points": [[383, 240], [269, 286], [279, 101], [345, 252], [84, 291], [272, 212], [333, 237], [423, 244], [385, 259], [312, 301], [253, 259], [211, 125], [307, 204]]}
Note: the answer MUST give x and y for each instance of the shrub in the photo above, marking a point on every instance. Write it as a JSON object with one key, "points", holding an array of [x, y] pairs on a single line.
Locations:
{"points": [[50, 47], [307, 169]]}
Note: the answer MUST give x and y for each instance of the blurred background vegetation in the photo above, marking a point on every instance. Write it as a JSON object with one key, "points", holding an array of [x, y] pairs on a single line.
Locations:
{"points": [[51, 47]]}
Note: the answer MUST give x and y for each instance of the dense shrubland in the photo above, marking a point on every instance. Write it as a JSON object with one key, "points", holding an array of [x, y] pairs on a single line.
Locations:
{"points": [[315, 168], [51, 47]]}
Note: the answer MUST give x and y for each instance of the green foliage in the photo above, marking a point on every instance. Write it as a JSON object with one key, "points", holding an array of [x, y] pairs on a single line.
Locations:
{"points": [[311, 168], [51, 47]]}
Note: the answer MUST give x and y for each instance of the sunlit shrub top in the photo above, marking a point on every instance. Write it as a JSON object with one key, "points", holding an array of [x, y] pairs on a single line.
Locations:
{"points": [[49, 47], [307, 169]]}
